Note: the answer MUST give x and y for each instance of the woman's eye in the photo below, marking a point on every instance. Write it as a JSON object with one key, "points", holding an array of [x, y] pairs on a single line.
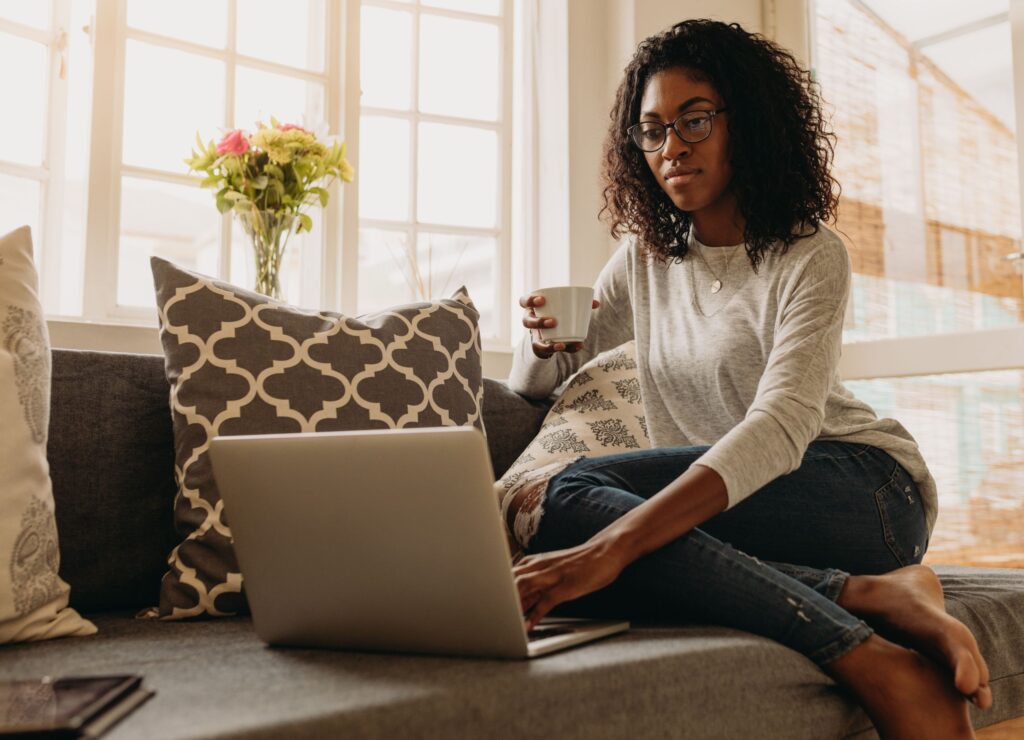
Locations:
{"points": [[697, 124]]}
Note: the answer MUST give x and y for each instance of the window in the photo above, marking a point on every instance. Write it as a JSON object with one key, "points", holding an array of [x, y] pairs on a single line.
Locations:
{"points": [[922, 101], [111, 94], [434, 126], [42, 154], [205, 66]]}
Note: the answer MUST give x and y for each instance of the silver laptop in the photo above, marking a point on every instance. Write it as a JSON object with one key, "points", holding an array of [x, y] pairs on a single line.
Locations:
{"points": [[379, 540]]}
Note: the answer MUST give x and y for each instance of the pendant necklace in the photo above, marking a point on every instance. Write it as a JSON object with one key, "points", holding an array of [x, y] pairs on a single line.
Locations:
{"points": [[717, 284]]}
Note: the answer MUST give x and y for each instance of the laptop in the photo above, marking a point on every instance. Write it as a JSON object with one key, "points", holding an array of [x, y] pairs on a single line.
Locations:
{"points": [[379, 540]]}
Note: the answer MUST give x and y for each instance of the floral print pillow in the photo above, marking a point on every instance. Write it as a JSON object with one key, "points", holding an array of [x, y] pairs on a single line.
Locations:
{"points": [[600, 413]]}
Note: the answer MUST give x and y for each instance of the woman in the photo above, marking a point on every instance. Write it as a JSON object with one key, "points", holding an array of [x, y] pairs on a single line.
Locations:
{"points": [[717, 165]]}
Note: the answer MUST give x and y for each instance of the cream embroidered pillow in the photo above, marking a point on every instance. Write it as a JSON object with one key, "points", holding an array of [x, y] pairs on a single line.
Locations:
{"points": [[33, 599], [599, 413]]}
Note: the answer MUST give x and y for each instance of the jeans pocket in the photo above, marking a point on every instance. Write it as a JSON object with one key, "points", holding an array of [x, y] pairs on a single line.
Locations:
{"points": [[902, 515]]}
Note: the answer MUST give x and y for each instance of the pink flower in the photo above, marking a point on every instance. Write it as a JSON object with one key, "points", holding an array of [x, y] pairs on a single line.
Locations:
{"points": [[234, 142], [290, 126]]}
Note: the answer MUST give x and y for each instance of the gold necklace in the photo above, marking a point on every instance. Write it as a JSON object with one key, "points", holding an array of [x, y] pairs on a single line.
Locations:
{"points": [[717, 284]]}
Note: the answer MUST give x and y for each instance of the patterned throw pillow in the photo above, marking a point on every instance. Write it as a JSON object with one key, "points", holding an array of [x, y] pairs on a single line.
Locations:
{"points": [[33, 598], [599, 413], [241, 363]]}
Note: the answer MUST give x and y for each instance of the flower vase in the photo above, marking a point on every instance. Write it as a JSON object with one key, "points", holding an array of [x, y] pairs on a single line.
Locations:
{"points": [[269, 232]]}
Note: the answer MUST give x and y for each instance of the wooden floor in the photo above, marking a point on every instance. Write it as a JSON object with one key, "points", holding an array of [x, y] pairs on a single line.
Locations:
{"points": [[1011, 729]]}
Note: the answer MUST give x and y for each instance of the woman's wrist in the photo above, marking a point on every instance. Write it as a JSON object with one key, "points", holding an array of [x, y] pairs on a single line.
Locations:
{"points": [[618, 544]]}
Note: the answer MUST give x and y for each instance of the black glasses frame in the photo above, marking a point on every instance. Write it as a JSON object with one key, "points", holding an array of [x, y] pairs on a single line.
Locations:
{"points": [[632, 130]]}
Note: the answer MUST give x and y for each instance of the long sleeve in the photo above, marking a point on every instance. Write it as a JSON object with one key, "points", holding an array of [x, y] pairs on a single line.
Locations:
{"points": [[789, 406], [610, 326]]}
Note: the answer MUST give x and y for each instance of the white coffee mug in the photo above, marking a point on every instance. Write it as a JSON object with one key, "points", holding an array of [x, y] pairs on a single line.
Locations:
{"points": [[571, 307]]}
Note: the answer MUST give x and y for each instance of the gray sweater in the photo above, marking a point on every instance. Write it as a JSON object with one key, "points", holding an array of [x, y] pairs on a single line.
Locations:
{"points": [[751, 370]]}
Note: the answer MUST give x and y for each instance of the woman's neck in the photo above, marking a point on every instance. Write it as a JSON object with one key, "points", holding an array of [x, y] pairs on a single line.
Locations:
{"points": [[720, 224]]}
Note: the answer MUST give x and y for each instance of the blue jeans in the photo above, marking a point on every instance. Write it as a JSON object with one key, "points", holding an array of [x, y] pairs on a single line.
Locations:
{"points": [[773, 565]]}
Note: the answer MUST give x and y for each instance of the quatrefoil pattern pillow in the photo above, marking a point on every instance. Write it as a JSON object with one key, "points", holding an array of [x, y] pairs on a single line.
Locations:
{"points": [[599, 413], [240, 363]]}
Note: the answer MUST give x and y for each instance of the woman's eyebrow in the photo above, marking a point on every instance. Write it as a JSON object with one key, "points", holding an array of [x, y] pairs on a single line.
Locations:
{"points": [[684, 106]]}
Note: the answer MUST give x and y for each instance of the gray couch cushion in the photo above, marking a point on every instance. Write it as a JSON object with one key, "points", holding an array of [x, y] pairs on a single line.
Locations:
{"points": [[111, 454], [512, 423], [111, 457], [215, 679]]}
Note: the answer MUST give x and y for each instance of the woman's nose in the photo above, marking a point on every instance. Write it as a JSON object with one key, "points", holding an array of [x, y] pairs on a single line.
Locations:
{"points": [[674, 147]]}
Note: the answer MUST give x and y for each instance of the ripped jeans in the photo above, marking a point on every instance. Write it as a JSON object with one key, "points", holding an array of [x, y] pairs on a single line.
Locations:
{"points": [[773, 565]]}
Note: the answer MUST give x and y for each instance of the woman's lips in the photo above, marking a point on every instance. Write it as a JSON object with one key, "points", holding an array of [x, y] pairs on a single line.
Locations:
{"points": [[680, 176]]}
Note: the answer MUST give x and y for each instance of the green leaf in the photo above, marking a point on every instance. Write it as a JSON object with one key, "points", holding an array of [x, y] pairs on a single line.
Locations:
{"points": [[322, 194], [305, 223], [223, 204]]}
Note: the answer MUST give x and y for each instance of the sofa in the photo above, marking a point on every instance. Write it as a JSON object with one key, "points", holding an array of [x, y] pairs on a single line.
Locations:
{"points": [[111, 455]]}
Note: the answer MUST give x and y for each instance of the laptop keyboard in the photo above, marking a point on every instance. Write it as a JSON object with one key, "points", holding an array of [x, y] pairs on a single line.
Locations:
{"points": [[541, 633]]}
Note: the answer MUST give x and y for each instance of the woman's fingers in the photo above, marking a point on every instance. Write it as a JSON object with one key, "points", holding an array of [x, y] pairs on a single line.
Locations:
{"points": [[539, 322], [538, 612]]}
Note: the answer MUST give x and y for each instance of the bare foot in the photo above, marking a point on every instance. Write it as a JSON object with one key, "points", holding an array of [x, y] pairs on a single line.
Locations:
{"points": [[905, 694], [907, 605]]}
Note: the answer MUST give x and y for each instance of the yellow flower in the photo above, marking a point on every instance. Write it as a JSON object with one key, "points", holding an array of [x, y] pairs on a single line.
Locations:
{"points": [[274, 143]]}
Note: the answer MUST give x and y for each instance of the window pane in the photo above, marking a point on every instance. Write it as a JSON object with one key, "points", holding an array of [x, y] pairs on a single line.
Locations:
{"points": [[177, 222], [169, 95], [385, 63], [458, 175], [291, 33], [19, 206], [459, 71], [386, 270], [199, 21], [35, 13], [970, 428], [260, 95], [24, 95], [927, 158], [300, 265], [390, 274], [71, 260], [484, 7], [384, 174], [449, 260]]}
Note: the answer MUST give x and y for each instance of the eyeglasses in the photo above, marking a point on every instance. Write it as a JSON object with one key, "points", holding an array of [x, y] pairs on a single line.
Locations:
{"points": [[692, 127]]}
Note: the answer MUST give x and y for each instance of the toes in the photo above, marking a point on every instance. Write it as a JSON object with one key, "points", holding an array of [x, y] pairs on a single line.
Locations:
{"points": [[966, 674], [983, 697]]}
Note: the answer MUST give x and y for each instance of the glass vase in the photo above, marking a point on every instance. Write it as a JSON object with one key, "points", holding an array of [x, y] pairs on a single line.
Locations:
{"points": [[268, 231]]}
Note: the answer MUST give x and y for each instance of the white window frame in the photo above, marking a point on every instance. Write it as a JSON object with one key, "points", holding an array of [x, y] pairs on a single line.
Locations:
{"points": [[50, 173], [110, 36], [105, 325], [411, 226]]}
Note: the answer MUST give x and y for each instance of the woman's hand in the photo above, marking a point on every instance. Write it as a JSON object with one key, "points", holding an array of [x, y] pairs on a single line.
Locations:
{"points": [[531, 321], [549, 578]]}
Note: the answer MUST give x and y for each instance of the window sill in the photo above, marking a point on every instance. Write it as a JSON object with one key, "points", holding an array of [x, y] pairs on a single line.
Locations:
{"points": [[144, 338]]}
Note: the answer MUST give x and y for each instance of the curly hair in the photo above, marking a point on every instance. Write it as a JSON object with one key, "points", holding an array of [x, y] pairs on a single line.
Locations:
{"points": [[781, 146]]}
